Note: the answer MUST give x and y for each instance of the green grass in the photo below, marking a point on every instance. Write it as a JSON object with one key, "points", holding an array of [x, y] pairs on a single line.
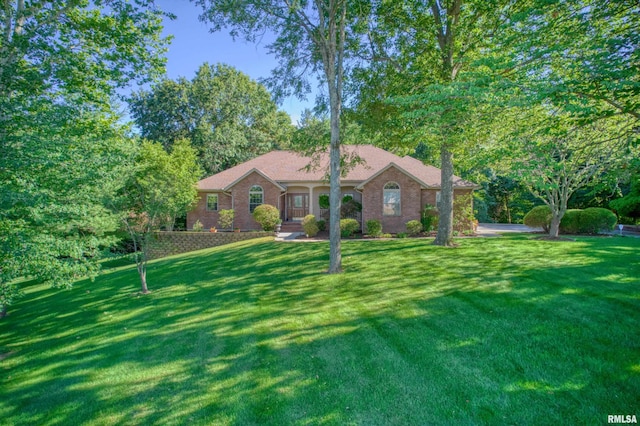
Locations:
{"points": [[504, 330]]}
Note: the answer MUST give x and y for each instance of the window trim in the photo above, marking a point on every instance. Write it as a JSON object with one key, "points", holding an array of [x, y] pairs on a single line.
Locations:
{"points": [[217, 203], [254, 191], [385, 191]]}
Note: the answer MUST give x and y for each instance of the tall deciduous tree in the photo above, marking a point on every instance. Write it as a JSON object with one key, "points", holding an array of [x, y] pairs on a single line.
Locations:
{"points": [[581, 55], [61, 149], [310, 36], [228, 117], [424, 55], [161, 187]]}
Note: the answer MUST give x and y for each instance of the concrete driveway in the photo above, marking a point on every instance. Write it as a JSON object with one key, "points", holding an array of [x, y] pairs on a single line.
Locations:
{"points": [[495, 229]]}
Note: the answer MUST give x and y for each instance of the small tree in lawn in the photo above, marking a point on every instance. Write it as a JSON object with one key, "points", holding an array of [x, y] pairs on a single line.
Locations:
{"points": [[161, 186]]}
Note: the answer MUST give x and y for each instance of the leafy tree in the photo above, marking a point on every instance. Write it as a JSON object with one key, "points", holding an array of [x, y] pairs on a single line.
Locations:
{"points": [[629, 205], [228, 117], [313, 36], [78, 49], [160, 187], [425, 57], [579, 55], [554, 158], [62, 151]]}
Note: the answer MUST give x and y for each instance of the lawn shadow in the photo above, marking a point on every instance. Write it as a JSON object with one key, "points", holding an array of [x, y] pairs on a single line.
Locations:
{"points": [[257, 334]]}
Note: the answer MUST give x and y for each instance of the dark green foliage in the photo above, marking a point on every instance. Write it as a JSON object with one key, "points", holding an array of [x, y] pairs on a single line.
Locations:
{"points": [[597, 219], [323, 201], [322, 225], [539, 216], [571, 222], [348, 227], [374, 228], [267, 216], [429, 218], [310, 225], [414, 227], [629, 205], [592, 220]]}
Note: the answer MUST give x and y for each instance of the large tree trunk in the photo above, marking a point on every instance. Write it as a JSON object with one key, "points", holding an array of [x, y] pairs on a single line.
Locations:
{"points": [[335, 193], [445, 207]]}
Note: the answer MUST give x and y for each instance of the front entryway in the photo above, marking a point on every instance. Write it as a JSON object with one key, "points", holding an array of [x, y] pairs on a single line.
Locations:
{"points": [[297, 206]]}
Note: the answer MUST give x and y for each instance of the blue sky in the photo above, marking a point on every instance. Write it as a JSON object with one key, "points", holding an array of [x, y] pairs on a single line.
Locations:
{"points": [[194, 45]]}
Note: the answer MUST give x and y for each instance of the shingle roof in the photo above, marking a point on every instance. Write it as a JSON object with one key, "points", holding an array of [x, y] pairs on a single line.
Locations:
{"points": [[287, 167]]}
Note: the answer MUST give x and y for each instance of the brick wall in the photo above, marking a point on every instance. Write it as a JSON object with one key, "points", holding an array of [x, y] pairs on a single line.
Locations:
{"points": [[208, 218], [271, 195], [169, 243], [410, 200]]}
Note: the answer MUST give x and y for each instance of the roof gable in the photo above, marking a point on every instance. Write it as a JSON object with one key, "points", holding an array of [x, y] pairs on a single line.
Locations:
{"points": [[389, 166], [254, 170]]}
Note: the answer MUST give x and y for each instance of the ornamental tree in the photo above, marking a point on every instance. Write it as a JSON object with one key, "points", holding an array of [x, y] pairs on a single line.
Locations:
{"points": [[161, 186]]}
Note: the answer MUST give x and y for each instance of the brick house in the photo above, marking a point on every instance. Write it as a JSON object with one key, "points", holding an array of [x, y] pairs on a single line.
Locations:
{"points": [[391, 189]]}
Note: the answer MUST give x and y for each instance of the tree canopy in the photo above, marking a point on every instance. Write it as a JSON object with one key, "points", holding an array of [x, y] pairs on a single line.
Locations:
{"points": [[62, 150], [228, 117]]}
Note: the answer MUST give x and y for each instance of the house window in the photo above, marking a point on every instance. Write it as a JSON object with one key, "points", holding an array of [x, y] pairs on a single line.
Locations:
{"points": [[391, 199], [212, 202], [256, 197], [438, 197]]}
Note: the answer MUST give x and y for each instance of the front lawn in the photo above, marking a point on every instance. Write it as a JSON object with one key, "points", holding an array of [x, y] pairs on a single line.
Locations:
{"points": [[506, 330]]}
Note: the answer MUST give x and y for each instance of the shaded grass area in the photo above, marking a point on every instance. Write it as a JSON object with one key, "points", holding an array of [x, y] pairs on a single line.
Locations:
{"points": [[497, 331]]}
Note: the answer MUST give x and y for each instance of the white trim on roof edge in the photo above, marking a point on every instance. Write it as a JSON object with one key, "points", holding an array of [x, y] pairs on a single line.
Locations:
{"points": [[232, 184], [387, 167]]}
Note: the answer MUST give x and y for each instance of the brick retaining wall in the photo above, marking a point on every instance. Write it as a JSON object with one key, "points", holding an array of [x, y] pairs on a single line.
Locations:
{"points": [[170, 243]]}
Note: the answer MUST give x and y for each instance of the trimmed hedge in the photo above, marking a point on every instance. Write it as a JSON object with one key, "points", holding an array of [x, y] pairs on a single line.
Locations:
{"points": [[267, 216], [592, 220], [575, 221], [539, 216]]}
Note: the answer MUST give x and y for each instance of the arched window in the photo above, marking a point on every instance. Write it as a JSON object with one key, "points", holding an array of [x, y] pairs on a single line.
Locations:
{"points": [[391, 199], [256, 197]]}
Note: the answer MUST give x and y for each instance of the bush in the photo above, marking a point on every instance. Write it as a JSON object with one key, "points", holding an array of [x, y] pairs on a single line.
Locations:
{"points": [[401, 235], [350, 208], [429, 218], [267, 216], [310, 225], [539, 216], [348, 227], [588, 221], [463, 218], [198, 226], [374, 228], [323, 201], [322, 225], [225, 218], [414, 227], [596, 219], [571, 222]]}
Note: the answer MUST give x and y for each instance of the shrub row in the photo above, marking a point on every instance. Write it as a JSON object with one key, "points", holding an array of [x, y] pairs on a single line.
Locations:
{"points": [[588, 221]]}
